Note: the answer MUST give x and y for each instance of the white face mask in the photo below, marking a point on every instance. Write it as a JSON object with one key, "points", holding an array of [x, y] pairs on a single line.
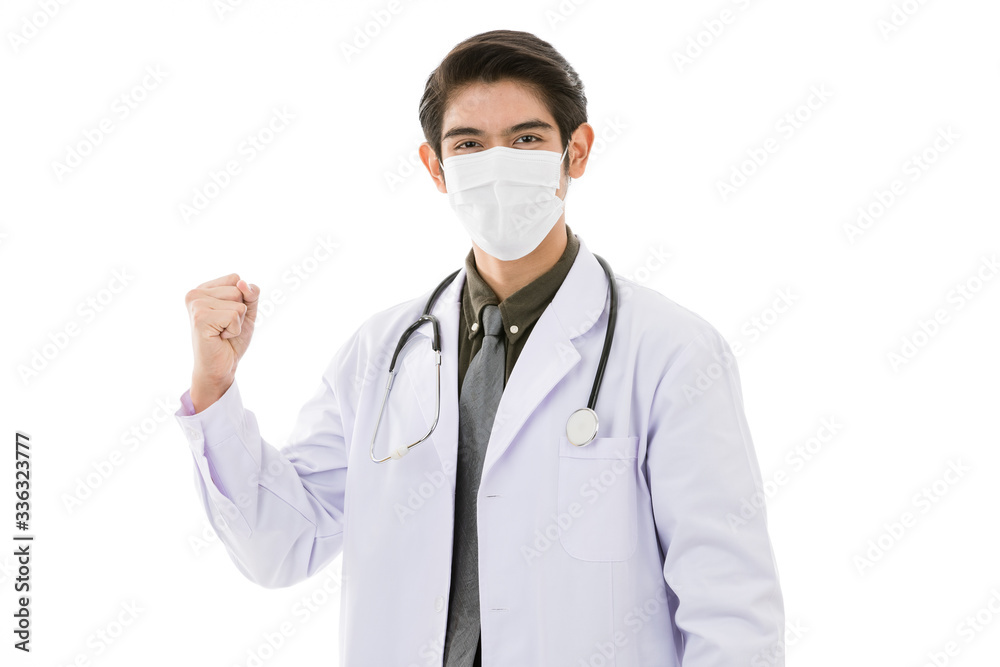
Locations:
{"points": [[505, 197]]}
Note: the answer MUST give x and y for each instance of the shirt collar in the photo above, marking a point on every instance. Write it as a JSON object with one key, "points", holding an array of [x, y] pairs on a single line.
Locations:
{"points": [[524, 306]]}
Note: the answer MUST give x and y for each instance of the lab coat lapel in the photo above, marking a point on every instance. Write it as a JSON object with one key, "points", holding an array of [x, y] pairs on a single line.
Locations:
{"points": [[550, 353]]}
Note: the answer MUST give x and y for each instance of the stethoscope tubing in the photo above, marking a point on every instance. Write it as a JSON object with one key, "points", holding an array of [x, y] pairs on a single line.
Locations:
{"points": [[426, 317]]}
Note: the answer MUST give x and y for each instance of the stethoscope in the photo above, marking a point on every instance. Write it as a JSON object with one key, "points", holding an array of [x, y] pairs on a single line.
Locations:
{"points": [[581, 427]]}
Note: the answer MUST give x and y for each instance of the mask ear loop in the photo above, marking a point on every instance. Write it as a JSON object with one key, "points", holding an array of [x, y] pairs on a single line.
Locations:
{"points": [[569, 179]]}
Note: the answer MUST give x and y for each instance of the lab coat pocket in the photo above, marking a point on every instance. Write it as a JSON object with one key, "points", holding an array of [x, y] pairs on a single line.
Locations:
{"points": [[597, 490]]}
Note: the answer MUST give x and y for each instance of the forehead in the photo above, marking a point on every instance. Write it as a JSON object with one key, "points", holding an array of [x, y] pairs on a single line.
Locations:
{"points": [[494, 106]]}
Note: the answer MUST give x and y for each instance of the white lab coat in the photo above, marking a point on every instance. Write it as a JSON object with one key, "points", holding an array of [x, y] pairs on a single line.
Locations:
{"points": [[642, 548]]}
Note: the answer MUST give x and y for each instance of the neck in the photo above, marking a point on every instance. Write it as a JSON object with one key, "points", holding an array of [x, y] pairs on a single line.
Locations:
{"points": [[506, 277]]}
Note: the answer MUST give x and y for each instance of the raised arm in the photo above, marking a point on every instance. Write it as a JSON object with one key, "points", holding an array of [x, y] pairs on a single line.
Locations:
{"points": [[278, 512]]}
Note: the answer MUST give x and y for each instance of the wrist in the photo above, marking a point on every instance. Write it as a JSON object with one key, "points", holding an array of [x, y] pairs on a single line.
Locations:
{"points": [[205, 392]]}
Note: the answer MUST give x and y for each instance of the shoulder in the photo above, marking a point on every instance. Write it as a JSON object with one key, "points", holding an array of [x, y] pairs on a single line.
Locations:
{"points": [[663, 326]]}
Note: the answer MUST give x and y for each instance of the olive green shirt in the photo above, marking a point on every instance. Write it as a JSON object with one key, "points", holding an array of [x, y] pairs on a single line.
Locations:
{"points": [[519, 310]]}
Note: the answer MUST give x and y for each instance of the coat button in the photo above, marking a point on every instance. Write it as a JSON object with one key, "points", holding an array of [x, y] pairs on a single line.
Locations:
{"points": [[438, 603]]}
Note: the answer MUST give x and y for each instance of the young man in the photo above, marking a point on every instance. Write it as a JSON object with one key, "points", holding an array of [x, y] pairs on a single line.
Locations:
{"points": [[505, 537]]}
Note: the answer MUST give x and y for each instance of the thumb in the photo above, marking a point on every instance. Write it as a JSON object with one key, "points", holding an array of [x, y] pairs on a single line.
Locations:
{"points": [[250, 296]]}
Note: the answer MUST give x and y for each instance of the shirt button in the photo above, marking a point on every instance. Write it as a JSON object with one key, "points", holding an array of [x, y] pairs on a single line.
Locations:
{"points": [[475, 326], [438, 603], [513, 328]]}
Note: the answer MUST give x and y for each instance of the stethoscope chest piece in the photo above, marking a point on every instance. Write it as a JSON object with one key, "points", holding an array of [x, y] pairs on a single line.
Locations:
{"points": [[581, 427]]}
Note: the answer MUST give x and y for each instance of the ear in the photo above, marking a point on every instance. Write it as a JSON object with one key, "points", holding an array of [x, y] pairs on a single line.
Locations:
{"points": [[581, 145], [430, 160]]}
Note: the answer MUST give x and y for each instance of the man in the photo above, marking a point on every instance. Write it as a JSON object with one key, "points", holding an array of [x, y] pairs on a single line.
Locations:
{"points": [[500, 540]]}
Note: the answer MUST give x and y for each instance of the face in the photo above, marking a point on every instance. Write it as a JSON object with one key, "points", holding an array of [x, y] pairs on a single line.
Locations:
{"points": [[505, 113]]}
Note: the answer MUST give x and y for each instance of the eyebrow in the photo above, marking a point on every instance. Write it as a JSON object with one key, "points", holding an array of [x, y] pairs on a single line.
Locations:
{"points": [[533, 124]]}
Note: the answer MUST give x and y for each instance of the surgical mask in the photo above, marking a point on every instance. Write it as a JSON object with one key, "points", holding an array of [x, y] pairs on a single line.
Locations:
{"points": [[505, 197]]}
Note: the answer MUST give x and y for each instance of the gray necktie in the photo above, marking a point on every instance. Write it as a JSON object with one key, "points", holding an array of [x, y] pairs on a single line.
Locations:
{"points": [[481, 391]]}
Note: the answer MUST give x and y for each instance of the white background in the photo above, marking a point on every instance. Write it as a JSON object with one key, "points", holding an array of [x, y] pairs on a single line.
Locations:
{"points": [[672, 132]]}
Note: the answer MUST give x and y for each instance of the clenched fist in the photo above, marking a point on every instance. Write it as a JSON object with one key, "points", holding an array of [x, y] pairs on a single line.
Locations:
{"points": [[222, 313]]}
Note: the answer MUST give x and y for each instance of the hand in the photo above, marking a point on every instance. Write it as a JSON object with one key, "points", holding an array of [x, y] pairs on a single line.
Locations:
{"points": [[223, 312]]}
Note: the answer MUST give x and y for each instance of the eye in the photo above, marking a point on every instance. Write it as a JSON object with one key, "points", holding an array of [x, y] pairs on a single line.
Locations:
{"points": [[528, 136], [463, 144]]}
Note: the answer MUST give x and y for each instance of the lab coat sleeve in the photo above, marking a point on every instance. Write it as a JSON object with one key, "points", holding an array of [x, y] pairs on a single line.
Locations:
{"points": [[703, 476], [280, 513]]}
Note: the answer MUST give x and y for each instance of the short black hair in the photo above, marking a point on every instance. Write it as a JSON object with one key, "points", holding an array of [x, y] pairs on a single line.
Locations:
{"points": [[499, 55]]}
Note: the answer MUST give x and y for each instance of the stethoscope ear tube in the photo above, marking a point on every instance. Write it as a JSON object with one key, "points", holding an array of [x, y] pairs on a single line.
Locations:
{"points": [[435, 337], [424, 317], [437, 291], [400, 452], [609, 336]]}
